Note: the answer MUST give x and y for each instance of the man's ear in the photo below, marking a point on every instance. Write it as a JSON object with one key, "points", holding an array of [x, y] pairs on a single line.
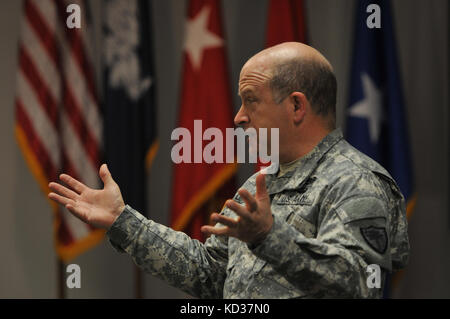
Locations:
{"points": [[299, 102]]}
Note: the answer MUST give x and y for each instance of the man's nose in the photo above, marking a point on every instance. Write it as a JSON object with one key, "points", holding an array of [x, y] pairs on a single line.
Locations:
{"points": [[241, 118]]}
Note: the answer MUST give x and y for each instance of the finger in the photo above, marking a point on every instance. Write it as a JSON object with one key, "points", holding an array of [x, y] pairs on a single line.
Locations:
{"points": [[73, 183], [261, 189], [105, 175], [60, 199], [219, 231], [64, 191], [224, 220], [238, 209], [250, 201]]}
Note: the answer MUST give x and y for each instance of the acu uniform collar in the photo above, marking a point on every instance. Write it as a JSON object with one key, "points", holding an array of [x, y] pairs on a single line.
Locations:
{"points": [[295, 178]]}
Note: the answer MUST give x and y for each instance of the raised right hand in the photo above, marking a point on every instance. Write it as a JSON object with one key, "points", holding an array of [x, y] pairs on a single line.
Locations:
{"points": [[99, 208]]}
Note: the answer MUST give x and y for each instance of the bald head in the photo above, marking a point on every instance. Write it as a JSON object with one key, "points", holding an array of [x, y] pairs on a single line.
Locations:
{"points": [[293, 66], [286, 52]]}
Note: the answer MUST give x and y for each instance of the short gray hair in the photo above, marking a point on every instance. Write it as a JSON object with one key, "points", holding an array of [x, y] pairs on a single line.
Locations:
{"points": [[311, 77]]}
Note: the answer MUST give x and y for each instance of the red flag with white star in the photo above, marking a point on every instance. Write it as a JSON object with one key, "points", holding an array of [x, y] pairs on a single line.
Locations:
{"points": [[201, 188]]}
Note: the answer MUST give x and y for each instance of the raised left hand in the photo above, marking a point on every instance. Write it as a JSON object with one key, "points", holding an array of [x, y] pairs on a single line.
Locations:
{"points": [[97, 207], [254, 220]]}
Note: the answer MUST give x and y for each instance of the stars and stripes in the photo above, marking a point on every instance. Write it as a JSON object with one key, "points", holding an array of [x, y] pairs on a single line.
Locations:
{"points": [[58, 119]]}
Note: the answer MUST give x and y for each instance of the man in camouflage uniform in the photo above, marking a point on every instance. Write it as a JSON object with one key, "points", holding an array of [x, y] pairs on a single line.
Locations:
{"points": [[310, 230]]}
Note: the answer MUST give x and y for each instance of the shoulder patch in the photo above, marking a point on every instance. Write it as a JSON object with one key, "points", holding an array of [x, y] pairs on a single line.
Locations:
{"points": [[376, 237]]}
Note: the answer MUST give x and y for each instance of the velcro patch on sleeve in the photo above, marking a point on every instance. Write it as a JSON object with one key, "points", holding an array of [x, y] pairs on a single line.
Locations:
{"points": [[376, 237]]}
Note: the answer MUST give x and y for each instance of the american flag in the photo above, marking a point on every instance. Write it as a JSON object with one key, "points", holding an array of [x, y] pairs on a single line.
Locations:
{"points": [[58, 119]]}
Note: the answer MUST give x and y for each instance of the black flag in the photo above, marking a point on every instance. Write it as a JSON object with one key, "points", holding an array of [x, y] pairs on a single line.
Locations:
{"points": [[130, 130]]}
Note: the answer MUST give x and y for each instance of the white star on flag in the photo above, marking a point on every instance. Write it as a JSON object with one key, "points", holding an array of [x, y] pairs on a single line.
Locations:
{"points": [[199, 38], [370, 108]]}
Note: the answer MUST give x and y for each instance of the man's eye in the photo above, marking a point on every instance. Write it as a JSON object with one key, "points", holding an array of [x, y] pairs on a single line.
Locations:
{"points": [[250, 100]]}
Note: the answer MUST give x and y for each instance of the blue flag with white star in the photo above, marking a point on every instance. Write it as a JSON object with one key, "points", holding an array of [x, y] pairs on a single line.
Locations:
{"points": [[376, 119]]}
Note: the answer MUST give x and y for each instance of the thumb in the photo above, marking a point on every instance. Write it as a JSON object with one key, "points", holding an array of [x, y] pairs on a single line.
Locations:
{"points": [[261, 190], [105, 175]]}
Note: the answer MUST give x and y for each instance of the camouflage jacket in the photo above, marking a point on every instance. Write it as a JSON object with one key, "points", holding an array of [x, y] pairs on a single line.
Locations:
{"points": [[335, 214]]}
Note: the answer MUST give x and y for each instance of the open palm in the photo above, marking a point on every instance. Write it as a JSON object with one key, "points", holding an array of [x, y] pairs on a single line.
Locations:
{"points": [[99, 208]]}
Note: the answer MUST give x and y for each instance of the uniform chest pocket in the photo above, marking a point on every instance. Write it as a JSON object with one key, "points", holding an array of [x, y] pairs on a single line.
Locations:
{"points": [[296, 209], [308, 229]]}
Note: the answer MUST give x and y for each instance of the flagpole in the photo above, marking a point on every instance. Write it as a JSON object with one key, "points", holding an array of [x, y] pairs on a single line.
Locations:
{"points": [[139, 288], [60, 280], [448, 113]]}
